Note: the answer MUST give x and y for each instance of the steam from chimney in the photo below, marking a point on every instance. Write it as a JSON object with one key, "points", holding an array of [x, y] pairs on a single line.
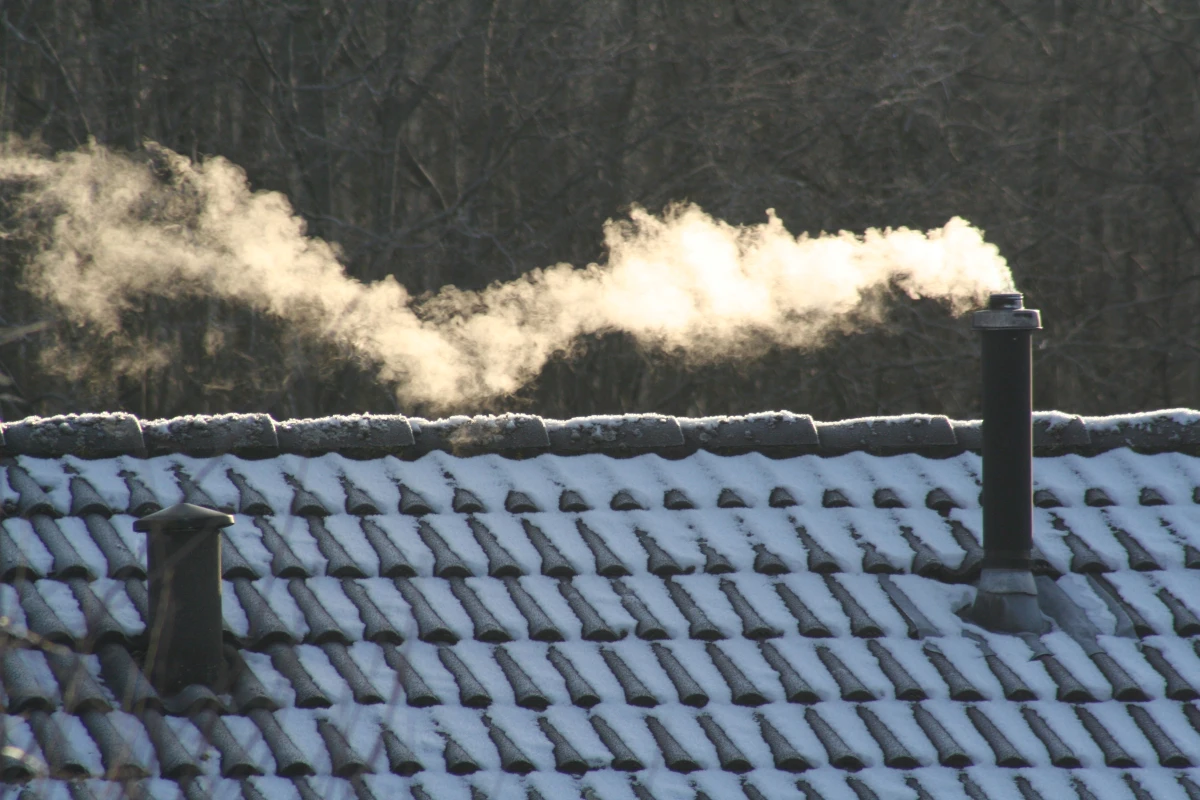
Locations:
{"points": [[115, 229]]}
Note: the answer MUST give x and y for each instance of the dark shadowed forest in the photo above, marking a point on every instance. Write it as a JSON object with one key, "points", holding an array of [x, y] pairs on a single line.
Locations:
{"points": [[468, 141]]}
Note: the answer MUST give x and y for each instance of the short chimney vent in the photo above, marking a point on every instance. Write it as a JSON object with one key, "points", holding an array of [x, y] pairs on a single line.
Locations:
{"points": [[1007, 595], [184, 560]]}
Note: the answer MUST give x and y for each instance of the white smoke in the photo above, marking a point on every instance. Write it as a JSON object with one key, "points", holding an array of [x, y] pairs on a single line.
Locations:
{"points": [[117, 230]]}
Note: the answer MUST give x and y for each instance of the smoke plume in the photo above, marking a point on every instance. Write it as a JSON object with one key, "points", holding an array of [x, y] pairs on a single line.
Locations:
{"points": [[115, 230]]}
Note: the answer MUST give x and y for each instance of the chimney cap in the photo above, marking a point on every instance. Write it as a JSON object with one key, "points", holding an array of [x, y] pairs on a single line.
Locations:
{"points": [[1005, 301], [183, 518], [1006, 311]]}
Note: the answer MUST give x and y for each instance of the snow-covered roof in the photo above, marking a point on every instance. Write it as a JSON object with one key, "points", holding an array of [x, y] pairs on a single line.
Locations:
{"points": [[611, 608]]}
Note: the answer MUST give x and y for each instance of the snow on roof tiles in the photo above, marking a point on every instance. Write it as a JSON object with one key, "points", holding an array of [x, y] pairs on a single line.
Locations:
{"points": [[613, 608], [777, 433]]}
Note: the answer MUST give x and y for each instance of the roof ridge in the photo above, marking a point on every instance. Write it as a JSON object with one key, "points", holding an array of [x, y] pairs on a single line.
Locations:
{"points": [[773, 433]]}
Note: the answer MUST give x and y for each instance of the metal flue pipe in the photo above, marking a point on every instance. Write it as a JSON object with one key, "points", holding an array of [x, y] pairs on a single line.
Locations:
{"points": [[1007, 595]]}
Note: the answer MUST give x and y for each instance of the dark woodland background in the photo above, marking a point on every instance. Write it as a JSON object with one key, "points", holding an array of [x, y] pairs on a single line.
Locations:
{"points": [[467, 141]]}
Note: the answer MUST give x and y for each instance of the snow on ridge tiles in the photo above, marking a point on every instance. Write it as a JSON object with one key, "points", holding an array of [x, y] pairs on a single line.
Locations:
{"points": [[368, 436], [252, 435], [461, 435], [1170, 429], [628, 433], [83, 435], [888, 434], [357, 436], [777, 429]]}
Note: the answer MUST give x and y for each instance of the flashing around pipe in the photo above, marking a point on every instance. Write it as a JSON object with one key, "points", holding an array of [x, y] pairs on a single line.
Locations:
{"points": [[1007, 602]]}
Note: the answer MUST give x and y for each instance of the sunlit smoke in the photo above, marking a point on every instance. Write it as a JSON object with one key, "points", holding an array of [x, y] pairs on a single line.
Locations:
{"points": [[115, 230]]}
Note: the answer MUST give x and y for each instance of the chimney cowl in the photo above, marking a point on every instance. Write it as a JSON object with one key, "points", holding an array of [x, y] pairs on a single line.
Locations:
{"points": [[1006, 311], [184, 588], [183, 518]]}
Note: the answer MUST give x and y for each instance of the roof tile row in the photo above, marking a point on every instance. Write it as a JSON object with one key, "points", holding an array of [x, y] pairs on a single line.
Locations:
{"points": [[372, 436], [346, 742], [825, 542], [1120, 481], [924, 784], [345, 621]]}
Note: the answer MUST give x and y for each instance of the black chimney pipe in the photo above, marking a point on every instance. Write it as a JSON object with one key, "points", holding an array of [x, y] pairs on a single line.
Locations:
{"points": [[1007, 595], [184, 560]]}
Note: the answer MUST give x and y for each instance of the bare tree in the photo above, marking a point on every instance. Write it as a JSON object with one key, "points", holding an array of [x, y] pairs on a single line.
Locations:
{"points": [[467, 141]]}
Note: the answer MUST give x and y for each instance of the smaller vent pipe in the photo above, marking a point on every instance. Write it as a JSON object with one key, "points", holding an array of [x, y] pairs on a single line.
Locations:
{"points": [[1007, 595], [184, 561]]}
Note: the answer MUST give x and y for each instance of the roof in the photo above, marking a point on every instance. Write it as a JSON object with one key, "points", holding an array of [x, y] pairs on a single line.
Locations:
{"points": [[611, 608]]}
